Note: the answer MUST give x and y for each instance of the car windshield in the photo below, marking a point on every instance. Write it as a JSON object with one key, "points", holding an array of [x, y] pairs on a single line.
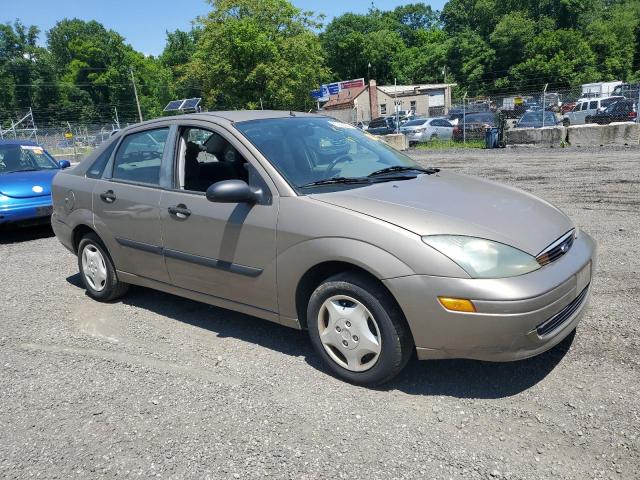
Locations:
{"points": [[414, 123], [25, 158], [536, 117], [313, 149], [609, 101], [480, 118]]}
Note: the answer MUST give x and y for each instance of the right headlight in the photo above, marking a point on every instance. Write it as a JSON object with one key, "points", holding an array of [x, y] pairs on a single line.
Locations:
{"points": [[482, 258]]}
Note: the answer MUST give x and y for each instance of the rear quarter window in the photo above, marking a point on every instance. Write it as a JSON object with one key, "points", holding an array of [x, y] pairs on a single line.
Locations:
{"points": [[97, 168]]}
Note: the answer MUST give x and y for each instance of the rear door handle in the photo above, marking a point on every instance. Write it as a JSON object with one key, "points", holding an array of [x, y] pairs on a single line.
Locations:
{"points": [[108, 196], [180, 211]]}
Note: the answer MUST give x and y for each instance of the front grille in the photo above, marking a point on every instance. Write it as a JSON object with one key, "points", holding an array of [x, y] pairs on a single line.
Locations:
{"points": [[557, 249], [563, 315]]}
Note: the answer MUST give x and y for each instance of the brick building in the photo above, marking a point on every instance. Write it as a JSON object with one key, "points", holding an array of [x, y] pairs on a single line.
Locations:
{"points": [[372, 101]]}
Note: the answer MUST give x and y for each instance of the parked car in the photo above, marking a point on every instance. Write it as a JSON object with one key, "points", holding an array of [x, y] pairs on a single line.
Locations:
{"points": [[621, 111], [26, 171], [585, 107], [425, 129], [374, 255], [566, 107], [364, 126], [382, 126], [456, 114], [475, 126], [630, 91], [534, 119]]}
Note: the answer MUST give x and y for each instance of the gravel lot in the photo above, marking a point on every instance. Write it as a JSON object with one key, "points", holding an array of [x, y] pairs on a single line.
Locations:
{"points": [[159, 386]]}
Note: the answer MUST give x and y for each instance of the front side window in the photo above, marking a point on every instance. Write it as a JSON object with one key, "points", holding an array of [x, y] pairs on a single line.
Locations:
{"points": [[311, 149], [206, 158], [585, 106], [139, 156], [25, 158]]}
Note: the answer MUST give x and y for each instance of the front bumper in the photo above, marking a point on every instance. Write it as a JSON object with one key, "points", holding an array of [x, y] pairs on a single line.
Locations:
{"points": [[26, 209], [509, 311]]}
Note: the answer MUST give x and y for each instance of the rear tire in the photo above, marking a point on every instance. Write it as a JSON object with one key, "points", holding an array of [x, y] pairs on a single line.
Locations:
{"points": [[358, 330], [97, 271]]}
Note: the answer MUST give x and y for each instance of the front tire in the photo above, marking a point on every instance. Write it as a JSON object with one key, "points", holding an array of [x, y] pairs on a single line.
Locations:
{"points": [[97, 270], [358, 330]]}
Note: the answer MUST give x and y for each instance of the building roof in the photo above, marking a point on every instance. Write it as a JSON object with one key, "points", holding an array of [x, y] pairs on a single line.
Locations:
{"points": [[410, 89], [344, 99]]}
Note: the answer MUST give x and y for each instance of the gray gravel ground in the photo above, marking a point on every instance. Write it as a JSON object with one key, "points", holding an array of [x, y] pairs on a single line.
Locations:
{"points": [[159, 386]]}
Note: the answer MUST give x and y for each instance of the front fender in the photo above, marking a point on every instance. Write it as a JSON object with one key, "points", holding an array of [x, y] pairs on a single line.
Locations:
{"points": [[294, 262]]}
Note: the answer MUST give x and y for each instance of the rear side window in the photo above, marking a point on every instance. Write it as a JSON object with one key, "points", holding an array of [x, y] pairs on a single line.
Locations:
{"points": [[593, 105], [98, 165], [139, 157]]}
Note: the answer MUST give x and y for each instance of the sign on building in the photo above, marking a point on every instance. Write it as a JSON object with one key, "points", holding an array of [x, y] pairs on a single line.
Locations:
{"points": [[323, 93]]}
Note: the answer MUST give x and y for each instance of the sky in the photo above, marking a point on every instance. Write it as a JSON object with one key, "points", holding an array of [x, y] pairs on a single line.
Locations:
{"points": [[143, 23]]}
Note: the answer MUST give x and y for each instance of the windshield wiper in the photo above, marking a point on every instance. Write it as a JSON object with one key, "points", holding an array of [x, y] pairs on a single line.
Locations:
{"points": [[401, 168], [335, 180], [25, 170]]}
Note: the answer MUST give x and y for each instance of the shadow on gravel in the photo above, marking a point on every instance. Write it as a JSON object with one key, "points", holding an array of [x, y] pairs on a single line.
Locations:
{"points": [[11, 234], [455, 378], [475, 379], [222, 322]]}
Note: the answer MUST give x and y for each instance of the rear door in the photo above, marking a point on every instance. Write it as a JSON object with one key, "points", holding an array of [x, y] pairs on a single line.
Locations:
{"points": [[126, 203]]}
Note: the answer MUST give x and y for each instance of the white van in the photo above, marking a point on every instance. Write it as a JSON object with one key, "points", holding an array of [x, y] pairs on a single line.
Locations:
{"points": [[585, 107]]}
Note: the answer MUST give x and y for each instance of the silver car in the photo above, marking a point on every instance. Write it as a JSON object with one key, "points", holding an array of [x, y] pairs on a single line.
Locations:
{"points": [[311, 223], [426, 129]]}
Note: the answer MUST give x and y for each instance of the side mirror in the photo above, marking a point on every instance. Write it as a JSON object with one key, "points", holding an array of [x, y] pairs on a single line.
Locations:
{"points": [[233, 191], [64, 164]]}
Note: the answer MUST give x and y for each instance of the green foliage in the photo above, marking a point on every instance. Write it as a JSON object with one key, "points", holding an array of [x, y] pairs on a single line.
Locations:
{"points": [[251, 51]]}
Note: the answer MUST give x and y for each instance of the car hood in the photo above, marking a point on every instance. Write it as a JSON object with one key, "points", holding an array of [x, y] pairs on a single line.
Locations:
{"points": [[27, 184], [454, 204]]}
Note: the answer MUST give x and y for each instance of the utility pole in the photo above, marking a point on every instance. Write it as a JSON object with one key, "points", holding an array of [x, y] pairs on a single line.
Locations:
{"points": [[544, 98], [444, 72], [395, 105], [135, 92], [117, 119], [464, 118]]}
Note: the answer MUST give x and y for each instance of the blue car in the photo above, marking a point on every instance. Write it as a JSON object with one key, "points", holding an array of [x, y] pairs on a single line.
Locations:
{"points": [[26, 171]]}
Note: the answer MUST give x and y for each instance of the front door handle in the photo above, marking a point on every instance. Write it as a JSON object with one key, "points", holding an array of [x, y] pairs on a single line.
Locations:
{"points": [[108, 196], [180, 211]]}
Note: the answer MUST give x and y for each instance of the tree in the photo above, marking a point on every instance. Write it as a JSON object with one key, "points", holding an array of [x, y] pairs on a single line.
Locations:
{"points": [[251, 51], [562, 58], [510, 38]]}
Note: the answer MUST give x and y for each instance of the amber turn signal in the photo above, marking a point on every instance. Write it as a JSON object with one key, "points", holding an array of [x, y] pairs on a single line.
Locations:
{"points": [[457, 304]]}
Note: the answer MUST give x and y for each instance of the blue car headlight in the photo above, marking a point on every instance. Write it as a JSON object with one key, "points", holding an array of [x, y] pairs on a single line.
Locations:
{"points": [[482, 258]]}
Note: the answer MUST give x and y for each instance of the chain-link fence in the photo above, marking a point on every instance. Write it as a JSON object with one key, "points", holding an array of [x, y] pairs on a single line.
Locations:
{"points": [[471, 116]]}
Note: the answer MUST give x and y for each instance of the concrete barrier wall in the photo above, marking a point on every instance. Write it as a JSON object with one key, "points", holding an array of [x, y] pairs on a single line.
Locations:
{"points": [[545, 137], [397, 140], [595, 135]]}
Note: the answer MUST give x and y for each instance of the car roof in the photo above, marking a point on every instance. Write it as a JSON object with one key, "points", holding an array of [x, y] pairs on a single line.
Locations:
{"points": [[228, 115], [30, 143]]}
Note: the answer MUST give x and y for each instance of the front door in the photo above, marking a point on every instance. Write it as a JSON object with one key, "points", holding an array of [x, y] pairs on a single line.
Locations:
{"points": [[126, 206], [227, 250]]}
